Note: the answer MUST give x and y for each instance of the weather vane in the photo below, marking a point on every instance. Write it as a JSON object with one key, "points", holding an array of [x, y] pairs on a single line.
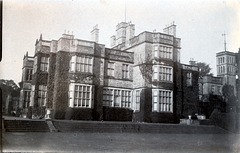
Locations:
{"points": [[225, 44]]}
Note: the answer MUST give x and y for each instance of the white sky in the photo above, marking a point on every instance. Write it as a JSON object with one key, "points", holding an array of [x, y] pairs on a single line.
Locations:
{"points": [[200, 25]]}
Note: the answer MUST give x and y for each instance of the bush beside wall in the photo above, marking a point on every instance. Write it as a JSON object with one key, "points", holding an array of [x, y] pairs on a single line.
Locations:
{"points": [[78, 114], [117, 114]]}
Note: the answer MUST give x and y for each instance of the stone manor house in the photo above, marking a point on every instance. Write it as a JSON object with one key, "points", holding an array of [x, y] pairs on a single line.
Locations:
{"points": [[139, 78]]}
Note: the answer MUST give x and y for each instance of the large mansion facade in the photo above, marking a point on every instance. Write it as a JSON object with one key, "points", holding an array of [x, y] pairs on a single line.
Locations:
{"points": [[140, 78]]}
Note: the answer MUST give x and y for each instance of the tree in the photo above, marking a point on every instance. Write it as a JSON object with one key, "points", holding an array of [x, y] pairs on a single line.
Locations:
{"points": [[8, 87], [228, 95], [204, 69], [146, 69]]}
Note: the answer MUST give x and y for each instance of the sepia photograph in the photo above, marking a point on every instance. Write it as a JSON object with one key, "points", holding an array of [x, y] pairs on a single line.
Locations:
{"points": [[148, 76]]}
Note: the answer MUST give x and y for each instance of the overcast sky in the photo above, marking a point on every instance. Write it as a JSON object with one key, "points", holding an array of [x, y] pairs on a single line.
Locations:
{"points": [[200, 25]]}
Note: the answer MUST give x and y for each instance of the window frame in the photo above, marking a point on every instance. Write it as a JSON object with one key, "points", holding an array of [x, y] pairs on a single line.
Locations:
{"points": [[32, 95], [165, 52], [27, 98], [42, 95], [162, 73], [35, 64], [28, 75], [44, 64], [162, 100], [125, 71], [82, 97], [212, 89], [111, 69], [82, 63], [118, 97], [137, 100], [189, 79]]}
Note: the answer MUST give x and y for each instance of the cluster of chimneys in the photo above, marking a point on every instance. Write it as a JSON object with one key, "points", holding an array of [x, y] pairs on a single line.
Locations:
{"points": [[124, 32], [94, 34]]}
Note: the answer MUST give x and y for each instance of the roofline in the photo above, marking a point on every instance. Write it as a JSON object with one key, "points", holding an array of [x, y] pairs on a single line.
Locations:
{"points": [[223, 52]]}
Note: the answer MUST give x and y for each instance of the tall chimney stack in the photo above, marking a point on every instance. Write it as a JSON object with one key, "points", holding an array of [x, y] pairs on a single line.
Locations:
{"points": [[95, 34]]}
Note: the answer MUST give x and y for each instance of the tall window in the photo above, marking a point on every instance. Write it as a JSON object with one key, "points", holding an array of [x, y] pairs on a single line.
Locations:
{"points": [[155, 73], [155, 100], [162, 100], [137, 104], [212, 88], [156, 51], [219, 90], [42, 95], [108, 97], [125, 71], [110, 71], [32, 95], [178, 55], [73, 63], [27, 95], [35, 64], [44, 64], [126, 95], [81, 64], [162, 73], [29, 74], [189, 79], [117, 97], [80, 95]]}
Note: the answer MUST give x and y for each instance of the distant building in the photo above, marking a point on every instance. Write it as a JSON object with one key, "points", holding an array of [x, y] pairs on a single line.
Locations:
{"points": [[139, 79], [209, 85], [227, 68]]}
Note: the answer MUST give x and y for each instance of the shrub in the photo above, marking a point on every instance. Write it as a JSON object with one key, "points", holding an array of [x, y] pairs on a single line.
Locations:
{"points": [[117, 114]]}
